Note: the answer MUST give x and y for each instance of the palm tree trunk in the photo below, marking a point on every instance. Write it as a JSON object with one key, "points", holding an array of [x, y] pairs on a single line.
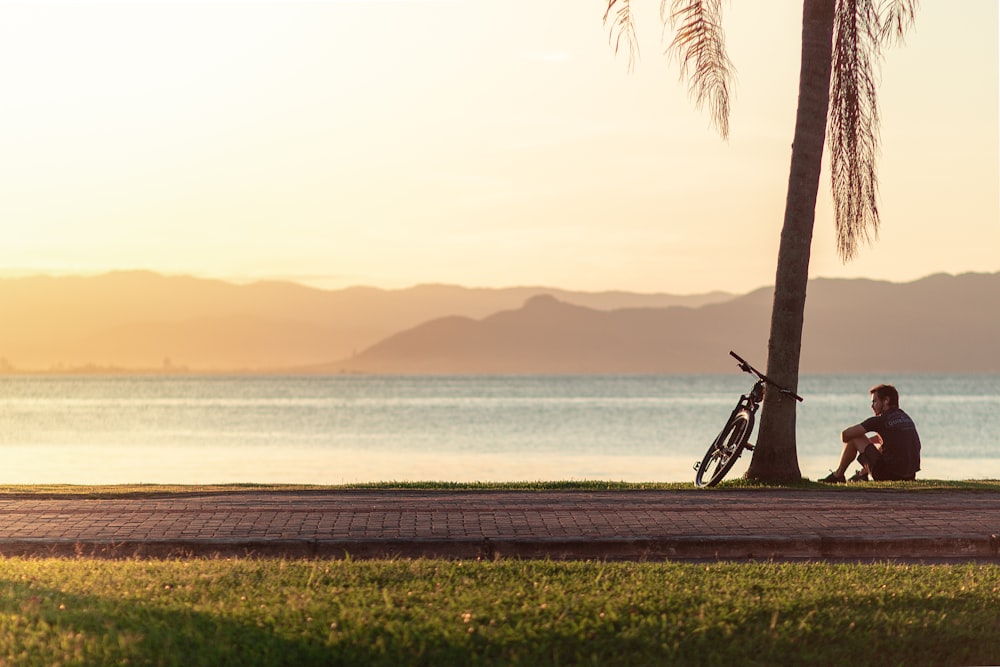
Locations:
{"points": [[775, 458]]}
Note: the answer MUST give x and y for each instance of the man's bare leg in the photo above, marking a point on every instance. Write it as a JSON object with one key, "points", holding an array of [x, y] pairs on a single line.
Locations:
{"points": [[852, 448]]}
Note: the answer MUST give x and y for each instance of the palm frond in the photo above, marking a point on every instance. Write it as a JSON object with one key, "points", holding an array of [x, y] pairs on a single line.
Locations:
{"points": [[700, 48], [896, 17], [622, 30], [853, 128]]}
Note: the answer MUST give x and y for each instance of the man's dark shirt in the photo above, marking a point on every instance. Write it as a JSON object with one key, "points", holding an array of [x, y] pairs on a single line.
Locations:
{"points": [[900, 442]]}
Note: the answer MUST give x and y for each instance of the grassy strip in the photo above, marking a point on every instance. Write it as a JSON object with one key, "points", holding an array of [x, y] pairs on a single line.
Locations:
{"points": [[123, 490], [248, 612]]}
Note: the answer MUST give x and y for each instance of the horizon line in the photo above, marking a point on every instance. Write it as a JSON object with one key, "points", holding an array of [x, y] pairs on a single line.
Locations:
{"points": [[308, 281]]}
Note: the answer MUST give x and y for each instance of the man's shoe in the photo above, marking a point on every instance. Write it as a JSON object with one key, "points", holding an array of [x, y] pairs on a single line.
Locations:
{"points": [[833, 478], [859, 476]]}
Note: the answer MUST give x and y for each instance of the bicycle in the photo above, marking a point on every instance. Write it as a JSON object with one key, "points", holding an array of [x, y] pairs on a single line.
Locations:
{"points": [[728, 446]]}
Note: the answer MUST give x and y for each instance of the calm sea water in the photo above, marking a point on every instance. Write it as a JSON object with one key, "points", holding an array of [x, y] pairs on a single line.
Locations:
{"points": [[332, 430]]}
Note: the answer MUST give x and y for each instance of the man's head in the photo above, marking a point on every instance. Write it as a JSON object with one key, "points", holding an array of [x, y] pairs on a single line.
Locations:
{"points": [[884, 397]]}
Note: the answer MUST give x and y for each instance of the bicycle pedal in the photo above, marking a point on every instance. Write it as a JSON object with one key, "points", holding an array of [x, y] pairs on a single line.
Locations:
{"points": [[697, 464]]}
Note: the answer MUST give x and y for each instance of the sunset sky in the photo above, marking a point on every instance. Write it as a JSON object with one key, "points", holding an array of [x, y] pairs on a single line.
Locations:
{"points": [[474, 142]]}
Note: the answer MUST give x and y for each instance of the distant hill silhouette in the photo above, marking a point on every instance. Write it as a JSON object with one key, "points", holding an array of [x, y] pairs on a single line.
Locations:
{"points": [[143, 320], [941, 323]]}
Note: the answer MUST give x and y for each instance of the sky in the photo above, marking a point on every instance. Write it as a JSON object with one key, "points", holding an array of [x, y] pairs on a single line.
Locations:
{"points": [[487, 143]]}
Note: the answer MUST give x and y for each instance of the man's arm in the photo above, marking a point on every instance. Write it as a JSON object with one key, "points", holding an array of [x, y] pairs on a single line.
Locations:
{"points": [[853, 432]]}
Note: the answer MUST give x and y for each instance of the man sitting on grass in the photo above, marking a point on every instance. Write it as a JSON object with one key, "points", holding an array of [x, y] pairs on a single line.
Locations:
{"points": [[893, 453]]}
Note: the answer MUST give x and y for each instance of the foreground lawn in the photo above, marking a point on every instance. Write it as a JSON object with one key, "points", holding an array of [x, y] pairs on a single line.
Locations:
{"points": [[273, 612]]}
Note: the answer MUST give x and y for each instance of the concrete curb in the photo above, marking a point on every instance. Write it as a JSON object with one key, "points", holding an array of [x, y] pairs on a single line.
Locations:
{"points": [[964, 548]]}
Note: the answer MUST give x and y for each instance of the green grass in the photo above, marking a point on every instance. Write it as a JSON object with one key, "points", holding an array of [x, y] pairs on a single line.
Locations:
{"points": [[122, 490], [424, 612]]}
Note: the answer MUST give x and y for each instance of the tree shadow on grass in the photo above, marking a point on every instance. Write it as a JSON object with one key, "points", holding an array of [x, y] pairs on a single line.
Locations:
{"points": [[44, 626], [877, 630]]}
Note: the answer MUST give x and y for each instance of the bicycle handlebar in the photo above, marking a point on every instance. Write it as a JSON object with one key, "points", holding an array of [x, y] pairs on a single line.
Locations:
{"points": [[747, 368]]}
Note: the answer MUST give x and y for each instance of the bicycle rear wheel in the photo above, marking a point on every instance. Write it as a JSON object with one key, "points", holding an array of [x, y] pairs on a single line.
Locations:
{"points": [[725, 450]]}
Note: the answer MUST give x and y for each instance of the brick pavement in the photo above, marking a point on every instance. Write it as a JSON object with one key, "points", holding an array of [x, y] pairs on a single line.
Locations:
{"points": [[681, 525]]}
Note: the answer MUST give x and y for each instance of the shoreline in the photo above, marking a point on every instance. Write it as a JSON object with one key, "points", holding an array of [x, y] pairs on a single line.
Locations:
{"points": [[313, 466]]}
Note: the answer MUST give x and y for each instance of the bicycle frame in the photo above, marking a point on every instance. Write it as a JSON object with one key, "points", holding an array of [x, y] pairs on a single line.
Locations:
{"points": [[749, 403]]}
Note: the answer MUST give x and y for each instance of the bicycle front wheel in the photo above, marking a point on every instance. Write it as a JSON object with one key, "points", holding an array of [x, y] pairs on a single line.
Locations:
{"points": [[725, 450]]}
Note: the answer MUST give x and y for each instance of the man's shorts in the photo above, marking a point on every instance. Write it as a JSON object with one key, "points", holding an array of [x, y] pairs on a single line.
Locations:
{"points": [[873, 458]]}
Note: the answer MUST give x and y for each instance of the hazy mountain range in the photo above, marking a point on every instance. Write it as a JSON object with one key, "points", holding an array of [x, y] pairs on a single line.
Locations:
{"points": [[140, 320], [146, 321]]}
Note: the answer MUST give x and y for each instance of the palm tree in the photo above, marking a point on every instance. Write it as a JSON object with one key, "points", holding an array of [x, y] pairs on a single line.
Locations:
{"points": [[842, 44]]}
